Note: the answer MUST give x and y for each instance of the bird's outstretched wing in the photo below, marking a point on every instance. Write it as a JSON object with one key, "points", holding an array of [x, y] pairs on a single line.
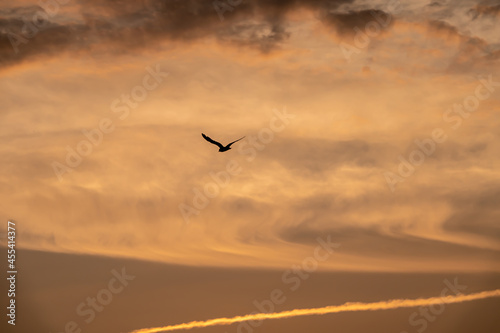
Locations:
{"points": [[229, 145], [212, 141]]}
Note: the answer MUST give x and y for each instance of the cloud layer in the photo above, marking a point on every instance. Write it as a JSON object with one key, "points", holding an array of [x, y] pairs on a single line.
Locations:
{"points": [[355, 119]]}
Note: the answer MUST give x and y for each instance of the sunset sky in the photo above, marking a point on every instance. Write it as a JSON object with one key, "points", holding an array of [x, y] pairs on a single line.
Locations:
{"points": [[371, 125]]}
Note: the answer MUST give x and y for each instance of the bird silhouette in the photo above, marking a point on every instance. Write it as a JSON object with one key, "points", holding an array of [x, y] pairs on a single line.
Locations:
{"points": [[218, 144]]}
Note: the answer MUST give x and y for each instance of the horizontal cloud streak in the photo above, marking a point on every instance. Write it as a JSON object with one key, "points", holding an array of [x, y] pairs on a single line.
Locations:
{"points": [[347, 307]]}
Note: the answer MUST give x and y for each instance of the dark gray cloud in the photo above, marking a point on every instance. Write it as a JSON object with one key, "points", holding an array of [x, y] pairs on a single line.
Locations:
{"points": [[124, 25], [19, 42], [263, 36], [473, 53], [484, 10], [351, 22], [441, 26], [115, 26]]}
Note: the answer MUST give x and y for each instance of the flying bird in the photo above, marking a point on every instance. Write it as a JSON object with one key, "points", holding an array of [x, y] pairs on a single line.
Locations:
{"points": [[218, 144]]}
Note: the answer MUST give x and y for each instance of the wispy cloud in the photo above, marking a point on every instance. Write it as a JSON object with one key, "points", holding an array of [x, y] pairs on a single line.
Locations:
{"points": [[347, 307]]}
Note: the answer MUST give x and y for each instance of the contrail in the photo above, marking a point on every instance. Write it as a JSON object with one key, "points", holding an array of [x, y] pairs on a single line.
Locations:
{"points": [[346, 307]]}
